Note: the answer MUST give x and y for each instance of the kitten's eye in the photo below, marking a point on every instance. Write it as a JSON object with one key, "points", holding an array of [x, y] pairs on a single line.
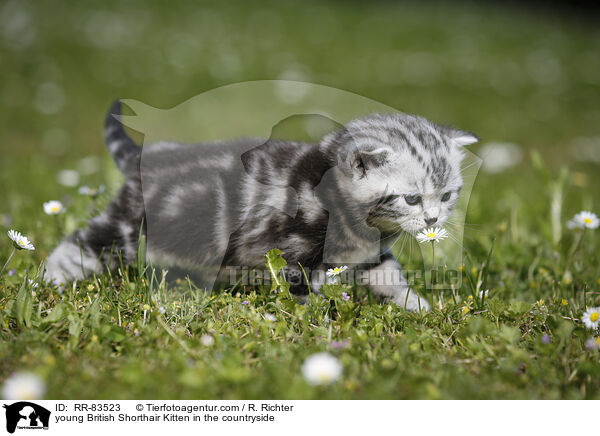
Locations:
{"points": [[412, 199], [446, 196]]}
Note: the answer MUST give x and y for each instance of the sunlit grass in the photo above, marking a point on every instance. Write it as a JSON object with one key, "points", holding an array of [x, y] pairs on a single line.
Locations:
{"points": [[508, 75]]}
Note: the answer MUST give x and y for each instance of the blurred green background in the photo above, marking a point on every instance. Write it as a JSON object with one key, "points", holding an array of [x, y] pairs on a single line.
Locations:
{"points": [[528, 76]]}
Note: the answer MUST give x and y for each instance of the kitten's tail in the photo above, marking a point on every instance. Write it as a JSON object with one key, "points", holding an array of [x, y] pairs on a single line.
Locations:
{"points": [[123, 150]]}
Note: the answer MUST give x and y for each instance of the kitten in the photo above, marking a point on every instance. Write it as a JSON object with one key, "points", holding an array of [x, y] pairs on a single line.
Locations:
{"points": [[208, 207]]}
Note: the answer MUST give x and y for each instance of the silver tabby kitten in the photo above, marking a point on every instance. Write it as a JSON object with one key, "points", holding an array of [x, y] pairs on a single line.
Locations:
{"points": [[211, 206]]}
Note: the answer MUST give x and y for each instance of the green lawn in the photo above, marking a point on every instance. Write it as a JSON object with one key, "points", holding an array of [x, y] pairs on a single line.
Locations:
{"points": [[526, 77]]}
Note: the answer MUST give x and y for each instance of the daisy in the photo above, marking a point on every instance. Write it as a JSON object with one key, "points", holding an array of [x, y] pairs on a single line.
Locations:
{"points": [[270, 318], [53, 207], [568, 277], [334, 272], [321, 368], [499, 156], [20, 242], [591, 317], [432, 234], [207, 340], [584, 220], [23, 386], [92, 192], [68, 178]]}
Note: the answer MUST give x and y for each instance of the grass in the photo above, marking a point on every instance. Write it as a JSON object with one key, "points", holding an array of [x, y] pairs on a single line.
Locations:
{"points": [[107, 338]]}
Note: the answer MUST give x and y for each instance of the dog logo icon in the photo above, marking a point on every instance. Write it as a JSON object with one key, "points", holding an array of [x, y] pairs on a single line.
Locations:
{"points": [[26, 415]]}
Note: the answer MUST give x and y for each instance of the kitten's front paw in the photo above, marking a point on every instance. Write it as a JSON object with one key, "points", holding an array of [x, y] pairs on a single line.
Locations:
{"points": [[413, 303]]}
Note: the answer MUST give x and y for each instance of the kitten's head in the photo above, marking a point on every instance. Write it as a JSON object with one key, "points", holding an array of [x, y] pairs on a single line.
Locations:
{"points": [[402, 169]]}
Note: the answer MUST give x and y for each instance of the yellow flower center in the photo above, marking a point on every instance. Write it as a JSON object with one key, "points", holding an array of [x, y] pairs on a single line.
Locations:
{"points": [[54, 209], [431, 235], [594, 316], [587, 220], [21, 243], [564, 302], [337, 270], [323, 376]]}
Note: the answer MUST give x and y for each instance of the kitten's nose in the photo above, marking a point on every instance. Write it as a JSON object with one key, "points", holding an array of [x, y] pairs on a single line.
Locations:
{"points": [[430, 221]]}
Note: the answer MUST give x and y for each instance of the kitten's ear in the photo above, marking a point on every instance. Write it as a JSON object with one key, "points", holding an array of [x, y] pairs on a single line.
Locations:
{"points": [[364, 161], [460, 138]]}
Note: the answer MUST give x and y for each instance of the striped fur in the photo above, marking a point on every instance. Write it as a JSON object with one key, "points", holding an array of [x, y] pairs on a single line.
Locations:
{"points": [[209, 206], [121, 147]]}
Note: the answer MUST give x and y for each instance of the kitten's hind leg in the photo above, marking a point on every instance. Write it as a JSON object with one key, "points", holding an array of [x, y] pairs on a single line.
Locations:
{"points": [[110, 237], [71, 260]]}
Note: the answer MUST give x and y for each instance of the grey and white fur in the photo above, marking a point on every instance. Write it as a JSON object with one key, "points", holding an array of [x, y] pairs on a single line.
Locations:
{"points": [[209, 206]]}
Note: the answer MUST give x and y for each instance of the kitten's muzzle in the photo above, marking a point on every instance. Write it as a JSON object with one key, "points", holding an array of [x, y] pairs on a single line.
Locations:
{"points": [[431, 216]]}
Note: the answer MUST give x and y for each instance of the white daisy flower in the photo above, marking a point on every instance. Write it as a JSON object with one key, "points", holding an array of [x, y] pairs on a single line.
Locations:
{"points": [[23, 386], [53, 207], [499, 156], [584, 220], [432, 234], [321, 368], [68, 178], [207, 340], [92, 192], [270, 318], [334, 272], [591, 317], [88, 165], [21, 242]]}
